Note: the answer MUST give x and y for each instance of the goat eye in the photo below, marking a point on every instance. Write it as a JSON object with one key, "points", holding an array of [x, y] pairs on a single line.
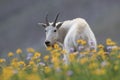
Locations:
{"points": [[45, 30], [55, 30]]}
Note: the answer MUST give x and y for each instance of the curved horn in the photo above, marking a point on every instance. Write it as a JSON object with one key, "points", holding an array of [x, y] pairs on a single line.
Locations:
{"points": [[47, 23], [54, 24]]}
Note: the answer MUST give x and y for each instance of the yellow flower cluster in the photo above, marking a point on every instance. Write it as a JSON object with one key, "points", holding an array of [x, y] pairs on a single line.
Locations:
{"points": [[37, 54], [30, 50], [2, 60], [19, 51], [83, 42], [110, 42], [88, 64], [10, 54], [46, 58]]}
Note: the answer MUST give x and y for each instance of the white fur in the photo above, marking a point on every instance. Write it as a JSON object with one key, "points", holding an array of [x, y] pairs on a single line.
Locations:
{"points": [[76, 29], [68, 34], [73, 30]]}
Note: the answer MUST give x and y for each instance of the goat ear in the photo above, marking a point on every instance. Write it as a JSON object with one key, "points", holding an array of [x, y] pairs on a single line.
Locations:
{"points": [[42, 24], [59, 25]]}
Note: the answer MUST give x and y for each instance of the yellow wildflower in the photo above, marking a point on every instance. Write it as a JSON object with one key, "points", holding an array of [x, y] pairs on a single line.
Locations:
{"points": [[2, 60], [59, 49], [21, 63], [37, 54], [19, 51], [110, 42], [79, 41], [93, 51], [49, 48], [100, 46], [14, 64], [10, 54], [83, 60], [7, 73], [101, 52], [55, 59], [56, 54], [31, 63], [14, 59], [113, 43], [83, 42], [63, 51], [54, 51], [46, 58], [115, 48], [56, 46], [93, 65], [72, 57], [47, 69], [30, 50]]}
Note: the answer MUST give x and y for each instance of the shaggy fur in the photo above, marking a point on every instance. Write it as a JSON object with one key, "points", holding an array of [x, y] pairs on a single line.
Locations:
{"points": [[68, 33]]}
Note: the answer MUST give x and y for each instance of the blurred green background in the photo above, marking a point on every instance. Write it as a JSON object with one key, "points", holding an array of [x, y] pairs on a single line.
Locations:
{"points": [[19, 18]]}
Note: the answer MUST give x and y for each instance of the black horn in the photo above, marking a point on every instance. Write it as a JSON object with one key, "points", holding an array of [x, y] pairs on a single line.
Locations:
{"points": [[54, 24], [47, 23]]}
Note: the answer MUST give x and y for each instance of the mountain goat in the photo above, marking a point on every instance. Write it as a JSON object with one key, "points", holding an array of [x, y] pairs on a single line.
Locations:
{"points": [[67, 33]]}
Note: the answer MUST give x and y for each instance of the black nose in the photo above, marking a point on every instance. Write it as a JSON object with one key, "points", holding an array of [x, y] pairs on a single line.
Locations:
{"points": [[47, 43]]}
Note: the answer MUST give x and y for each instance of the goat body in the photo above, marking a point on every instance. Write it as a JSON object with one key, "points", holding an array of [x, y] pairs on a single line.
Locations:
{"points": [[73, 30], [67, 34]]}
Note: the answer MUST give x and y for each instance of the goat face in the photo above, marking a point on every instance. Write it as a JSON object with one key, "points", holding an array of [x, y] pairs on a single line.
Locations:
{"points": [[51, 35], [51, 30]]}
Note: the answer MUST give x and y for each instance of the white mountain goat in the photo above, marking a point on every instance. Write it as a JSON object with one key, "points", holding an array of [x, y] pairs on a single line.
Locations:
{"points": [[67, 33]]}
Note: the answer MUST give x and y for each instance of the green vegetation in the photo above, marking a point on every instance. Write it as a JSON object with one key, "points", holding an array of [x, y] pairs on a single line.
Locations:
{"points": [[100, 65]]}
